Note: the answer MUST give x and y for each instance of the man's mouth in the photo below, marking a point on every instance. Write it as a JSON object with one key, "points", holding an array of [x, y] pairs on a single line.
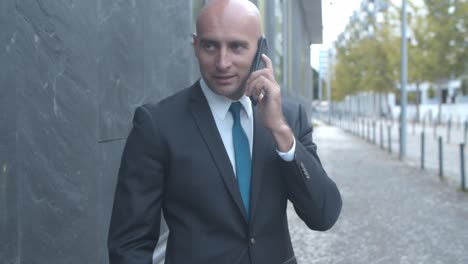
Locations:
{"points": [[223, 79]]}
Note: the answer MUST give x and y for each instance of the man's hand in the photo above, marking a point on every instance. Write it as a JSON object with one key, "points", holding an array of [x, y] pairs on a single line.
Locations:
{"points": [[263, 87]]}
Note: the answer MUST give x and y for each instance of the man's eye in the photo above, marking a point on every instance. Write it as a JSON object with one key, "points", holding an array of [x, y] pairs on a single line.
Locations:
{"points": [[209, 46], [237, 47]]}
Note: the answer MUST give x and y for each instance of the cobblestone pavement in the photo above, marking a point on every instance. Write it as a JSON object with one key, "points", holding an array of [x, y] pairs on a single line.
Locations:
{"points": [[392, 212]]}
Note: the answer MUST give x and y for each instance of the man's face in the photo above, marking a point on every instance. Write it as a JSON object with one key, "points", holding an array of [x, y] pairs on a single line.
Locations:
{"points": [[225, 46]]}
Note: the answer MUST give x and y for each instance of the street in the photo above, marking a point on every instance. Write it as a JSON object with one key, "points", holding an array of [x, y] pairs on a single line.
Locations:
{"points": [[392, 212]]}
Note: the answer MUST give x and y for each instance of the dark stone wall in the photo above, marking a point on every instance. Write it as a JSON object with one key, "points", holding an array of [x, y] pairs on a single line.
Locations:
{"points": [[72, 73], [8, 185]]}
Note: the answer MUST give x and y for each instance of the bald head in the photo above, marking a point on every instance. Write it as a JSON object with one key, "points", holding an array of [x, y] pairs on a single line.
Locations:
{"points": [[230, 11], [227, 37]]}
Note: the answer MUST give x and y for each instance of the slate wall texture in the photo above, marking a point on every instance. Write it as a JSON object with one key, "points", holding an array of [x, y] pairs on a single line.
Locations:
{"points": [[71, 75], [8, 184]]}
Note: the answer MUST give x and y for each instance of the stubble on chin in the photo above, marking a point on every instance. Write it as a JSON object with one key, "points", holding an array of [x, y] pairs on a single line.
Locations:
{"points": [[240, 90], [235, 94]]}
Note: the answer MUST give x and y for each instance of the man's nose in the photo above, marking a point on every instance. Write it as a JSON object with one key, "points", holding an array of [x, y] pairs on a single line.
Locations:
{"points": [[223, 61]]}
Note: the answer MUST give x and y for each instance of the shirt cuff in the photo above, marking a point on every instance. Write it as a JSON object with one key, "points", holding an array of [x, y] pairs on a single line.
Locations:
{"points": [[288, 156]]}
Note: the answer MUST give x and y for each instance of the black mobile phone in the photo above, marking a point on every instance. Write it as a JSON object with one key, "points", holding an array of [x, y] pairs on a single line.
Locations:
{"points": [[261, 49]]}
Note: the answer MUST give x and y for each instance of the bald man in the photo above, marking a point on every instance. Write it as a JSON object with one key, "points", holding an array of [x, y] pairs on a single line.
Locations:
{"points": [[219, 168]]}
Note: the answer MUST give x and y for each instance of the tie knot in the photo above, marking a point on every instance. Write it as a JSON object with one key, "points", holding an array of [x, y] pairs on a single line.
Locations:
{"points": [[235, 109]]}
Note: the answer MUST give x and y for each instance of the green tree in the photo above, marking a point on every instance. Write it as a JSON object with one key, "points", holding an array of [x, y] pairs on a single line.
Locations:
{"points": [[369, 58], [464, 86], [346, 69], [418, 51], [431, 92], [446, 41], [365, 59]]}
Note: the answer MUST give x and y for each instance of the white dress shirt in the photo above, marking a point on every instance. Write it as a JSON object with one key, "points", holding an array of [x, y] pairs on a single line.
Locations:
{"points": [[219, 106]]}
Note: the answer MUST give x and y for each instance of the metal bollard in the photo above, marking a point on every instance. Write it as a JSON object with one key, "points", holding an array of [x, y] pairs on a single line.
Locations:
{"points": [[462, 165], [449, 129], [466, 131], [399, 134], [374, 138], [359, 128], [358, 131], [368, 130], [435, 130], [441, 158], [423, 147], [363, 129], [364, 132], [355, 125], [389, 129], [381, 135]]}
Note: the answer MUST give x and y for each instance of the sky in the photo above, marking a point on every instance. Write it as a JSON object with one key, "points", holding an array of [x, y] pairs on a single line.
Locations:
{"points": [[335, 17]]}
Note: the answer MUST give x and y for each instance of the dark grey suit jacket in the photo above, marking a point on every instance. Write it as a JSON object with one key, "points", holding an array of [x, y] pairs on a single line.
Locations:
{"points": [[174, 160]]}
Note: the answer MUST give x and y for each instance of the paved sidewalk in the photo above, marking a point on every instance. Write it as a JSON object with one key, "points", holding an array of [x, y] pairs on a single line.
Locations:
{"points": [[392, 213], [451, 148]]}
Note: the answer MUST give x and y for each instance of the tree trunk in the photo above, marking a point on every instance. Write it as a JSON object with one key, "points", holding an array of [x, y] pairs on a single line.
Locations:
{"points": [[439, 106], [418, 101]]}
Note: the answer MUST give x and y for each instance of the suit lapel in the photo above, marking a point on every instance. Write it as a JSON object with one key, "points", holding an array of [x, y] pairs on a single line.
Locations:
{"points": [[262, 147], [205, 122]]}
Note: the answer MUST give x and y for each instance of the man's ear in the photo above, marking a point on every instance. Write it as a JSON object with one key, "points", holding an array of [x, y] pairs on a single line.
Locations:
{"points": [[195, 43]]}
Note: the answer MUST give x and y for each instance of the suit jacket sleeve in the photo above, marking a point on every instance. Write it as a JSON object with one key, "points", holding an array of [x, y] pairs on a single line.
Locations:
{"points": [[315, 197], [136, 214]]}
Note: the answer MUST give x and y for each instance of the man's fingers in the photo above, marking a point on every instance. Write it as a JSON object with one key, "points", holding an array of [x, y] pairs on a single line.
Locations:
{"points": [[261, 81], [267, 61], [267, 73], [258, 87]]}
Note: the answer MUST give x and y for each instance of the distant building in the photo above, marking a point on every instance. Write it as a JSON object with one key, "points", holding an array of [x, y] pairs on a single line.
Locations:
{"points": [[291, 26]]}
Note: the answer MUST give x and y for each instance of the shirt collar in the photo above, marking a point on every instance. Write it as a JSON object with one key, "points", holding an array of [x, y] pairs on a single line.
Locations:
{"points": [[220, 104]]}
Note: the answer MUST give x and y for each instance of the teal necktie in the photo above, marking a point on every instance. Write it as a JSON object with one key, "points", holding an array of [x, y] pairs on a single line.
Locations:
{"points": [[242, 155]]}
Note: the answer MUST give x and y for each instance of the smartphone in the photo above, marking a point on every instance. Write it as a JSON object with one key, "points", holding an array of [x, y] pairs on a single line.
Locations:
{"points": [[261, 49]]}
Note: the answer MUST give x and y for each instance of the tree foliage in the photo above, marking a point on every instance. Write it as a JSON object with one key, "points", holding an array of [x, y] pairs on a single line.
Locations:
{"points": [[368, 52]]}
